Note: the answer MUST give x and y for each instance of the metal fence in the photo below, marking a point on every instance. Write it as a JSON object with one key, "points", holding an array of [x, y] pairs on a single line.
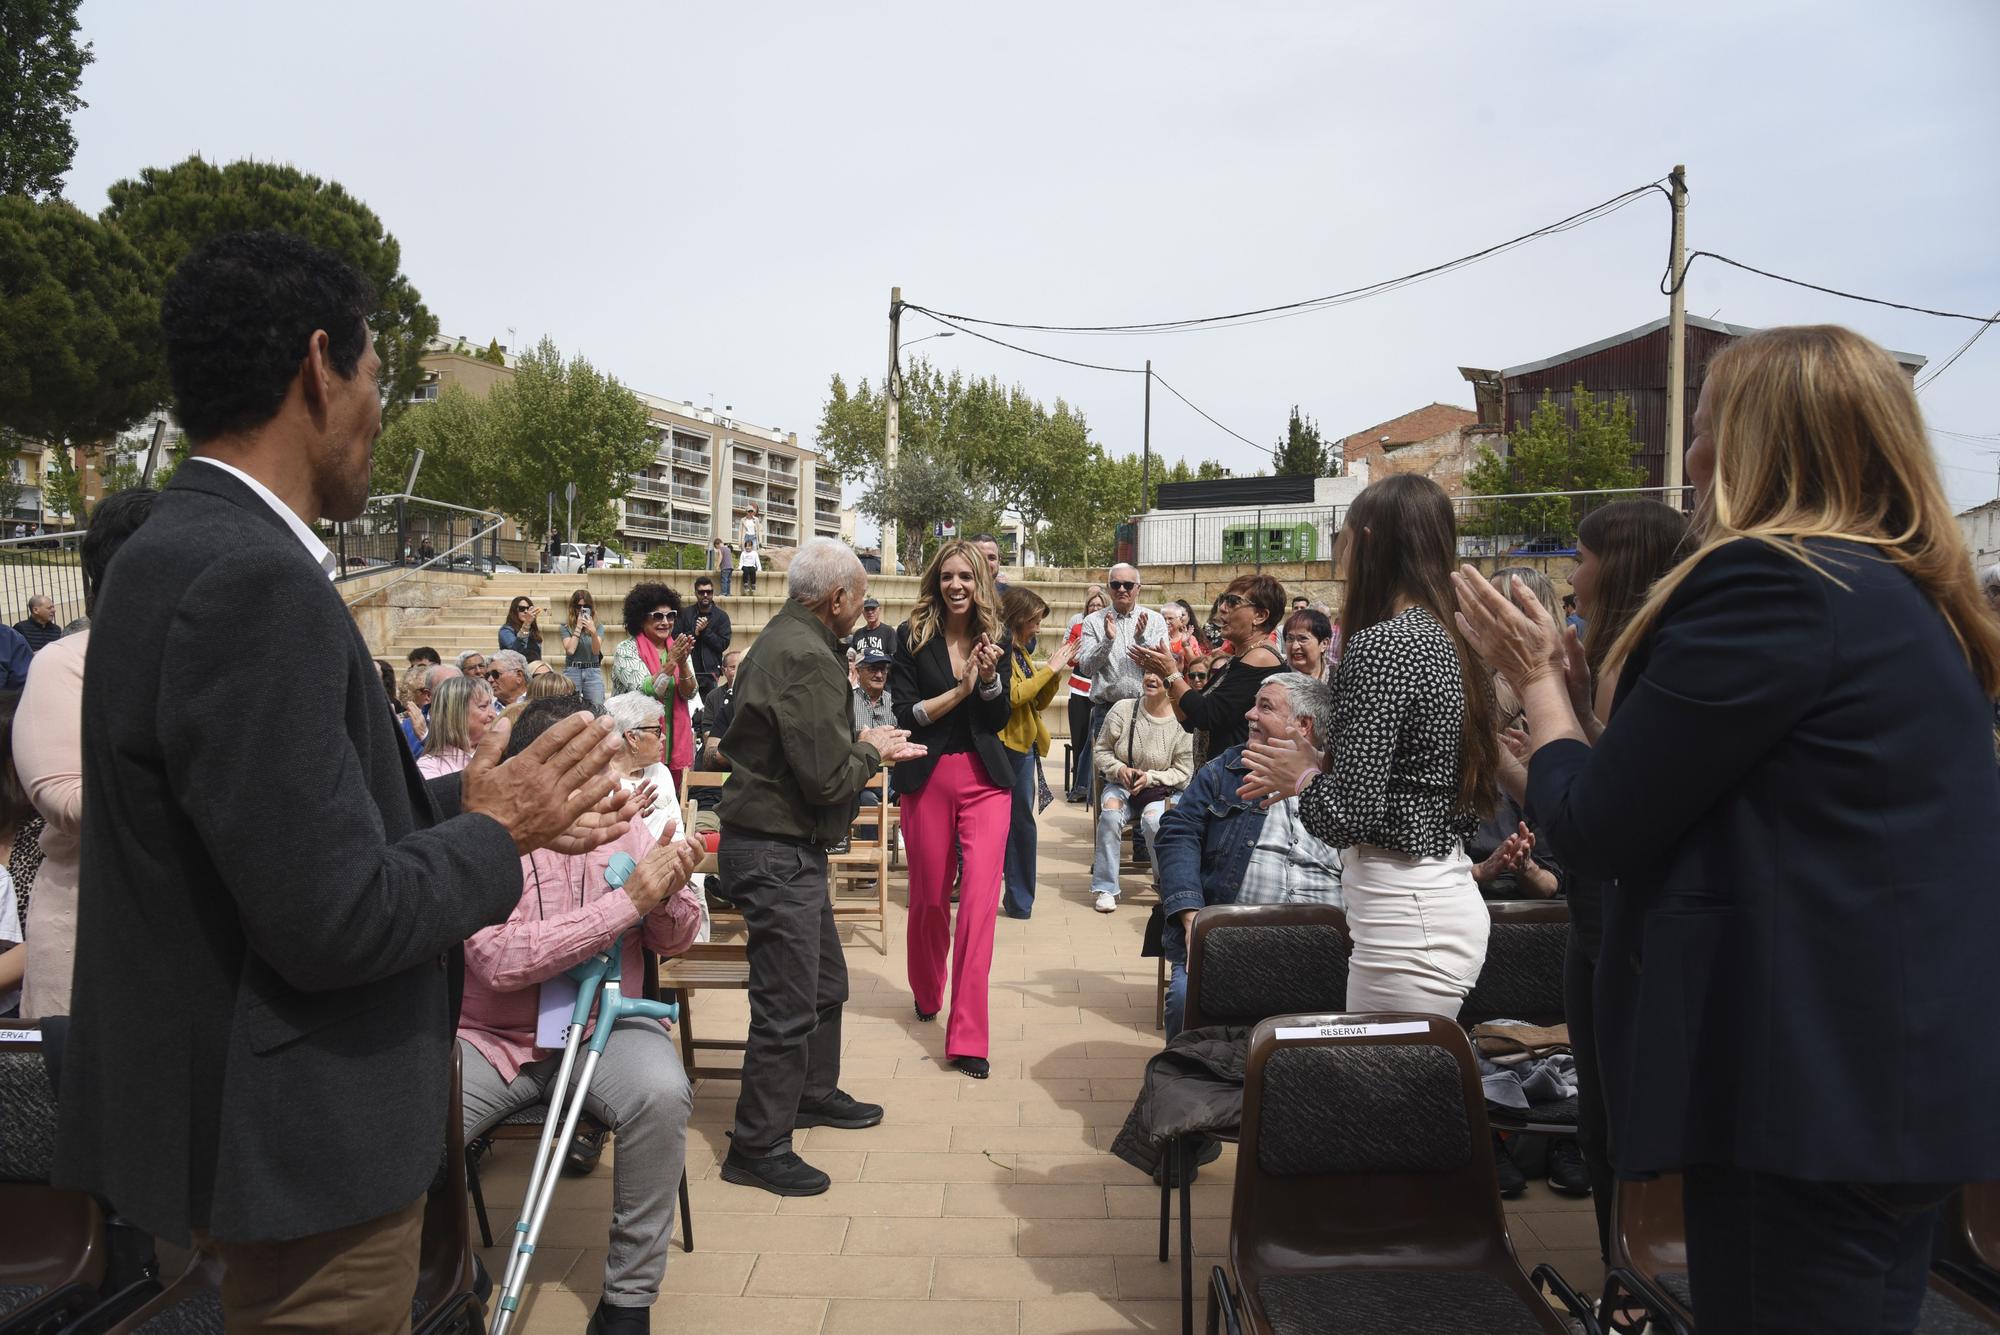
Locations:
{"points": [[41, 565], [423, 534], [1523, 524]]}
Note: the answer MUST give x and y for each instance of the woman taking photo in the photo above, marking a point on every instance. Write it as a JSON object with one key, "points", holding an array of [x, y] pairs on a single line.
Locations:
{"points": [[1026, 737], [1414, 762], [583, 648], [948, 685], [1079, 700], [522, 631], [462, 709], [1792, 807], [1249, 612], [654, 661]]}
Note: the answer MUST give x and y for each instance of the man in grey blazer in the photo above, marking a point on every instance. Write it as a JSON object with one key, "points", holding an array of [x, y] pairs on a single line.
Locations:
{"points": [[272, 898]]}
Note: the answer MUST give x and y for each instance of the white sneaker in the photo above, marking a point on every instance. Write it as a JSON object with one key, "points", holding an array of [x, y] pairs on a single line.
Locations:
{"points": [[1106, 903]]}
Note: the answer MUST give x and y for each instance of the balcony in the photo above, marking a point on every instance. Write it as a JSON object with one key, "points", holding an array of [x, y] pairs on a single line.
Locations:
{"points": [[649, 486], [826, 487], [646, 525], [742, 502], [687, 495], [690, 458], [782, 508], [687, 528]]}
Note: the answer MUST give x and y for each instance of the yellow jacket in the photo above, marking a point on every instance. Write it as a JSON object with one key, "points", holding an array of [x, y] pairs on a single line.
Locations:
{"points": [[1031, 693]]}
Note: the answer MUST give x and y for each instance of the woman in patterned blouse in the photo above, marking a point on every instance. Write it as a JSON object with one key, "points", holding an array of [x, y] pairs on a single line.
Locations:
{"points": [[1414, 763]]}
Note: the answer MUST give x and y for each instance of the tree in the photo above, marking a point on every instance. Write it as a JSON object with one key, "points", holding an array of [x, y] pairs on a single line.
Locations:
{"points": [[40, 67], [168, 211], [459, 435], [557, 423], [1553, 455], [80, 351], [62, 486], [494, 354], [1302, 453], [922, 491]]}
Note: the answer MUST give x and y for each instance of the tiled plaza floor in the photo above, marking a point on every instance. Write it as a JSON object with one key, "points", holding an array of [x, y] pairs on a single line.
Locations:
{"points": [[976, 1208]]}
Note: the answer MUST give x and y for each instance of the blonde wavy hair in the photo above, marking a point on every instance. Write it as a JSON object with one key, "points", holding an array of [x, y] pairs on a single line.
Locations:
{"points": [[1818, 435], [928, 617]]}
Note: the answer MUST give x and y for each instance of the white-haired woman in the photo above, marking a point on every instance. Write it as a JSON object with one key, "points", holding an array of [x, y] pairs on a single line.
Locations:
{"points": [[642, 724], [462, 709]]}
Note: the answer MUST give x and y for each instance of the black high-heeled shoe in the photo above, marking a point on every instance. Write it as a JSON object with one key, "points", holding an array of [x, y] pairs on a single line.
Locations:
{"points": [[976, 1067], [922, 1017]]}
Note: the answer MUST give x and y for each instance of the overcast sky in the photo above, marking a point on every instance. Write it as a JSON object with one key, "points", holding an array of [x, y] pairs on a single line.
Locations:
{"points": [[712, 201]]}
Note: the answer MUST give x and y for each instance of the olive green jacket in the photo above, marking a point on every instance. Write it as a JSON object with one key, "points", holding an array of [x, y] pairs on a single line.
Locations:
{"points": [[795, 766]]}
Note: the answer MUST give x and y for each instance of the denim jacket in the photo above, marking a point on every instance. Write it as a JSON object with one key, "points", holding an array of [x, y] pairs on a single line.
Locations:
{"points": [[1204, 844]]}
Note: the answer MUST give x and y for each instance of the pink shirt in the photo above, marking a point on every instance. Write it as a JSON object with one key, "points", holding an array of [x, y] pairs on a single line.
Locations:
{"points": [[566, 914], [48, 757]]}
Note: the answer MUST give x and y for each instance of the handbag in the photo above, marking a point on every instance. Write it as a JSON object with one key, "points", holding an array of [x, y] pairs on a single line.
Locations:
{"points": [[1152, 792]]}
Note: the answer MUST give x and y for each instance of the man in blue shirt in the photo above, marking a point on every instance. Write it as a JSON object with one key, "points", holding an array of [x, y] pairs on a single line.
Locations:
{"points": [[15, 656]]}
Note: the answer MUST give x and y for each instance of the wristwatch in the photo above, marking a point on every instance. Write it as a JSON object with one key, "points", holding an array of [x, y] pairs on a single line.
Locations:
{"points": [[1173, 677]]}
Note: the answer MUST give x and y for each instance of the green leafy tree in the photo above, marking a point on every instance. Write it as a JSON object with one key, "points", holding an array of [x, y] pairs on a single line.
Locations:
{"points": [[40, 67], [1588, 448], [558, 422], [459, 435], [121, 472], [13, 471], [1302, 453], [167, 211], [923, 491], [62, 487], [80, 351], [494, 354]]}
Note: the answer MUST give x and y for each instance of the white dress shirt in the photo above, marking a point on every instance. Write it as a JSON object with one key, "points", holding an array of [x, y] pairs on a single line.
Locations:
{"points": [[308, 539]]}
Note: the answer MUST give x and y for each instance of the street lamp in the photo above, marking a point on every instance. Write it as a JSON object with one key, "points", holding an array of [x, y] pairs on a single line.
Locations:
{"points": [[926, 338]]}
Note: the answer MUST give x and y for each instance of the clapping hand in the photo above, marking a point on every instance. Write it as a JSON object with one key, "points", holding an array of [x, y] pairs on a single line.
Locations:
{"points": [[665, 868], [558, 793], [1063, 657], [1517, 638], [682, 643], [987, 655], [1276, 766], [892, 744], [647, 795], [1153, 660]]}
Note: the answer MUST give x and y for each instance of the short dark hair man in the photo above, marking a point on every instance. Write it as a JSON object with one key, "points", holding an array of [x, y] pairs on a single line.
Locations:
{"points": [[989, 547], [423, 653], [709, 625], [873, 637], [269, 858]]}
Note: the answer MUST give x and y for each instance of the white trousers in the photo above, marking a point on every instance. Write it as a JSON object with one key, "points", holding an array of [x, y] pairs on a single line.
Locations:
{"points": [[1419, 929]]}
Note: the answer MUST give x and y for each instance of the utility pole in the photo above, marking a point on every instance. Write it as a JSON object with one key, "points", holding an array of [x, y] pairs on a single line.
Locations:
{"points": [[892, 412], [1677, 338], [1146, 443]]}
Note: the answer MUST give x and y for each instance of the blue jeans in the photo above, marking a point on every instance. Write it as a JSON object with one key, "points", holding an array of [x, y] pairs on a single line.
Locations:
{"points": [[589, 683], [1017, 898], [1176, 995], [722, 578], [1112, 818]]}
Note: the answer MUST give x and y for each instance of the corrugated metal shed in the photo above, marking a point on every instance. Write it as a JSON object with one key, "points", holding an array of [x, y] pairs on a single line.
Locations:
{"points": [[1220, 492], [1632, 364]]}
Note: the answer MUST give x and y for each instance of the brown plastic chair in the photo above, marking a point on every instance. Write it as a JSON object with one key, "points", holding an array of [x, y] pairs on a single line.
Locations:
{"points": [[1968, 1245], [1366, 1201], [53, 1243], [1246, 962], [1648, 1264]]}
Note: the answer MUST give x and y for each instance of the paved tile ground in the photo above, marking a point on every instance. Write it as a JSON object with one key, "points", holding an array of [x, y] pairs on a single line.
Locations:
{"points": [[976, 1207]]}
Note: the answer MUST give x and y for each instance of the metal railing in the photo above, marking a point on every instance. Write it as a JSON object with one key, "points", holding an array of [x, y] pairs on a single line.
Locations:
{"points": [[416, 535], [781, 507], [825, 488], [699, 495], [1519, 524], [45, 564], [691, 458], [755, 472], [651, 486], [683, 528]]}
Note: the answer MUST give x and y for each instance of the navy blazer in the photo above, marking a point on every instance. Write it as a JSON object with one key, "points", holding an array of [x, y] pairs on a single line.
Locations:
{"points": [[1798, 800], [916, 677]]}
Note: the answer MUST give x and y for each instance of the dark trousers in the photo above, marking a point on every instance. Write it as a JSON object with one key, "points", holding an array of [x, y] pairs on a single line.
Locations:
{"points": [[1593, 1120], [1080, 738], [749, 579], [798, 980], [1776, 1253], [1017, 899]]}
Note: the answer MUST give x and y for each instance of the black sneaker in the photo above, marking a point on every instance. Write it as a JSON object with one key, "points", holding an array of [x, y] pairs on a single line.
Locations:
{"points": [[1567, 1175], [784, 1174], [1513, 1182], [839, 1109], [609, 1320]]}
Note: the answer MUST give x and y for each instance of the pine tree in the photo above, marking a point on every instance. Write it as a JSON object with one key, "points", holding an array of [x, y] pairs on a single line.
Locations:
{"points": [[1301, 453]]}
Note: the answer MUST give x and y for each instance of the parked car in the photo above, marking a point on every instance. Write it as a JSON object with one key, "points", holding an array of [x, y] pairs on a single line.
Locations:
{"points": [[571, 557]]}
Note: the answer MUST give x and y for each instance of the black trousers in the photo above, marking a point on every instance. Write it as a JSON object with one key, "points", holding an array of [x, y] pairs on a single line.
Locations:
{"points": [[1593, 1121], [1769, 1253], [1080, 762], [798, 982]]}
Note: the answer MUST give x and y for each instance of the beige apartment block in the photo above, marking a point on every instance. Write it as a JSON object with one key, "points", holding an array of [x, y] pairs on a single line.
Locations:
{"points": [[708, 469]]}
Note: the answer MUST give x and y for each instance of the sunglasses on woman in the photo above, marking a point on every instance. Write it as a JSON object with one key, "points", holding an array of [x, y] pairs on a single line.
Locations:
{"points": [[1197, 678]]}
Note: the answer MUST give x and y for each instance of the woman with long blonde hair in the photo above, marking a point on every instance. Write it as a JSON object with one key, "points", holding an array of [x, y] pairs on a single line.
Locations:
{"points": [[1796, 798], [948, 686]]}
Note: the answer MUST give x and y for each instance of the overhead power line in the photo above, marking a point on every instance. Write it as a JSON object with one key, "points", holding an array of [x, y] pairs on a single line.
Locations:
{"points": [[1970, 340], [1331, 299], [1211, 421], [1666, 290]]}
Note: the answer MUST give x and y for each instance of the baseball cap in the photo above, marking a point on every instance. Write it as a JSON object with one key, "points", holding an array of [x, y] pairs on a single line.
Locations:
{"points": [[874, 658], [871, 602]]}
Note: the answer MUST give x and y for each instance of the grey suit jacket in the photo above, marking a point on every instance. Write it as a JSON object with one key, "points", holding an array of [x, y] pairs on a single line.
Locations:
{"points": [[272, 901]]}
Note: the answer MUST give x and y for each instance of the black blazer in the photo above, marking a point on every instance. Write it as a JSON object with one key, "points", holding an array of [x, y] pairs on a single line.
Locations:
{"points": [[916, 677], [271, 904], [1798, 800]]}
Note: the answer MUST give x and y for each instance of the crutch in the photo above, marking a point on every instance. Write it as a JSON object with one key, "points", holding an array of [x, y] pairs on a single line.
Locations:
{"points": [[598, 983]]}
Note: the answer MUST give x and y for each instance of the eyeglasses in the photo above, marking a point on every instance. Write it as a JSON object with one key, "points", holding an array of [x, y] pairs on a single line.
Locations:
{"points": [[661, 617], [1230, 600], [653, 728], [1197, 678], [1301, 640], [1124, 585]]}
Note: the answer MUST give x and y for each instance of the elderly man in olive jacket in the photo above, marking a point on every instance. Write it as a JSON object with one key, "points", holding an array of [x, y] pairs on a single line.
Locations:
{"points": [[798, 768]]}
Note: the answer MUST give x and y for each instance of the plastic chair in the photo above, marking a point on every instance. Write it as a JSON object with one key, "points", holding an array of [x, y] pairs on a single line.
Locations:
{"points": [[1366, 1199]]}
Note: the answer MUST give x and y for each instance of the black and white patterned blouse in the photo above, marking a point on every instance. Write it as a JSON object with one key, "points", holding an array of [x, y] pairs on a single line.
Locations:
{"points": [[1399, 708]]}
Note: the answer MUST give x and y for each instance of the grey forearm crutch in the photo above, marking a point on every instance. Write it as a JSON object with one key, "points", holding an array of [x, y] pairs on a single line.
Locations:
{"points": [[598, 982]]}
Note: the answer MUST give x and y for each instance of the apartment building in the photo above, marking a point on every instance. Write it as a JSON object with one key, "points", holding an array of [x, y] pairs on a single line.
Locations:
{"points": [[708, 469]]}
